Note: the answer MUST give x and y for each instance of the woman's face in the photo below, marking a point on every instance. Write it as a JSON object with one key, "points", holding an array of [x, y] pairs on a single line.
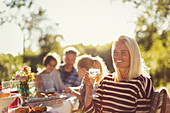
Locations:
{"points": [[121, 56], [51, 66], [81, 72]]}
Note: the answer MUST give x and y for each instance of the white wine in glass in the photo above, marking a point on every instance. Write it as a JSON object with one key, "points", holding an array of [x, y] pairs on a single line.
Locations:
{"points": [[93, 75]]}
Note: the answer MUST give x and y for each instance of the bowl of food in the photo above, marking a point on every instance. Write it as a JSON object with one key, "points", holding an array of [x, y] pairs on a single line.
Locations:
{"points": [[6, 99]]}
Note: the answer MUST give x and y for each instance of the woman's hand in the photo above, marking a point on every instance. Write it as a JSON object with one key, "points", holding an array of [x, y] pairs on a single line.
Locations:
{"points": [[89, 85], [87, 80]]}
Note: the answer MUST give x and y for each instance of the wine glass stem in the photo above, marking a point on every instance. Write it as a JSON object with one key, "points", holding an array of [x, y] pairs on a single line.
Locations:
{"points": [[93, 89]]}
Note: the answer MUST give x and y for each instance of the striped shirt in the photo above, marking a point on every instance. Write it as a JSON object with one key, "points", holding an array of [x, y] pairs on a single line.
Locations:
{"points": [[133, 96]]}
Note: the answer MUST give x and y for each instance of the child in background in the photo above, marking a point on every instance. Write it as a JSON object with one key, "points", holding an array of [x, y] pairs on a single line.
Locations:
{"points": [[49, 79], [84, 63]]}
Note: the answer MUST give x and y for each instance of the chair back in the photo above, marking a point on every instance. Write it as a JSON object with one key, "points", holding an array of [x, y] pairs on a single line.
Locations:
{"points": [[167, 105], [158, 102]]}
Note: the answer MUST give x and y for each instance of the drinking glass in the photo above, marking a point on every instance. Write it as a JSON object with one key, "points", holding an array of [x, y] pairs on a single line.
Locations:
{"points": [[50, 91], [50, 87], [93, 75], [14, 90], [7, 85], [12, 86], [32, 88]]}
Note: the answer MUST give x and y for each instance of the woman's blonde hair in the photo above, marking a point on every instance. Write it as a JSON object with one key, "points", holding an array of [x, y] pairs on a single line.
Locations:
{"points": [[87, 61], [137, 66]]}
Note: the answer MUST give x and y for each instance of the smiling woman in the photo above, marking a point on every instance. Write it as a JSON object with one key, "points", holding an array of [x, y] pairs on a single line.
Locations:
{"points": [[127, 58], [129, 89], [121, 57]]}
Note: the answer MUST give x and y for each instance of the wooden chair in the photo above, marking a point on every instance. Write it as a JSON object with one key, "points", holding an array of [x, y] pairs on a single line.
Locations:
{"points": [[167, 105], [159, 100]]}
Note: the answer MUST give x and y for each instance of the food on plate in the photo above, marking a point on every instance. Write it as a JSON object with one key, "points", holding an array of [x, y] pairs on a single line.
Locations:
{"points": [[40, 94], [50, 94], [37, 111], [24, 109], [40, 108], [4, 93]]}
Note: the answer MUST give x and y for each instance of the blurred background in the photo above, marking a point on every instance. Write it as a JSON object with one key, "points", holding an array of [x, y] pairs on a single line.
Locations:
{"points": [[29, 29]]}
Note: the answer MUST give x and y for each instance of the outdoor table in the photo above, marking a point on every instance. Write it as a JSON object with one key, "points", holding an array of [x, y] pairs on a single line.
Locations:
{"points": [[68, 105]]}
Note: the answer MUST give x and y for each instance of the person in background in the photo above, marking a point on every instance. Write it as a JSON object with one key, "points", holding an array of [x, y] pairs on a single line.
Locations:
{"points": [[129, 89], [84, 63], [49, 79], [67, 70]]}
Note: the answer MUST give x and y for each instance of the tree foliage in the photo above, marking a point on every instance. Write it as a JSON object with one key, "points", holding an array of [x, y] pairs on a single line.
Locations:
{"points": [[33, 22], [39, 32], [9, 65], [153, 36], [103, 51]]}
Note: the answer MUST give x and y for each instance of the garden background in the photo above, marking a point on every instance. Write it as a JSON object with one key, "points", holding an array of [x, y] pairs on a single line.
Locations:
{"points": [[152, 33]]}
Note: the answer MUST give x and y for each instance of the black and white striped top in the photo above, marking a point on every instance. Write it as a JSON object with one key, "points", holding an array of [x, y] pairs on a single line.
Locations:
{"points": [[133, 96]]}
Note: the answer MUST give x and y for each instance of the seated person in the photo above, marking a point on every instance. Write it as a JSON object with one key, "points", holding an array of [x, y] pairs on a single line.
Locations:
{"points": [[49, 79], [68, 72], [84, 63], [129, 89]]}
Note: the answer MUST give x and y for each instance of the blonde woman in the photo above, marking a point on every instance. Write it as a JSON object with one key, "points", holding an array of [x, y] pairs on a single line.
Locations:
{"points": [[84, 63], [129, 89]]}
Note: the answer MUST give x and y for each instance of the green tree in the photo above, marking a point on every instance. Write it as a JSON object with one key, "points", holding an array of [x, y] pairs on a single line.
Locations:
{"points": [[33, 22], [39, 32], [103, 51], [153, 36], [49, 43], [9, 65]]}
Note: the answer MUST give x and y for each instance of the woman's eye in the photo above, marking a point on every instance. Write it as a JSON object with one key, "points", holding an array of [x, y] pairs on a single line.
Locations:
{"points": [[123, 52], [114, 52]]}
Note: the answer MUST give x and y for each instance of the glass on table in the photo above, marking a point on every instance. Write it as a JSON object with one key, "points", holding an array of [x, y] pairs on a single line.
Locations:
{"points": [[6, 85], [50, 91], [32, 88], [12, 86], [14, 90]]}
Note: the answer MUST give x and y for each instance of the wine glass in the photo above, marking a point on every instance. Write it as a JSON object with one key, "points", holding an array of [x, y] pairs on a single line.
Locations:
{"points": [[12, 87], [7, 85], [50, 87], [14, 90], [93, 75], [50, 90]]}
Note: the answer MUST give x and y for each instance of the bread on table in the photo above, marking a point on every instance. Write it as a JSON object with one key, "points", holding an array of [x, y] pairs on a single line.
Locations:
{"points": [[24, 109], [40, 108], [40, 94]]}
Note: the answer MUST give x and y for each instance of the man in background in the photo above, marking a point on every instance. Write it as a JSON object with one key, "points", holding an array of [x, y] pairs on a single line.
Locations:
{"points": [[67, 70]]}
